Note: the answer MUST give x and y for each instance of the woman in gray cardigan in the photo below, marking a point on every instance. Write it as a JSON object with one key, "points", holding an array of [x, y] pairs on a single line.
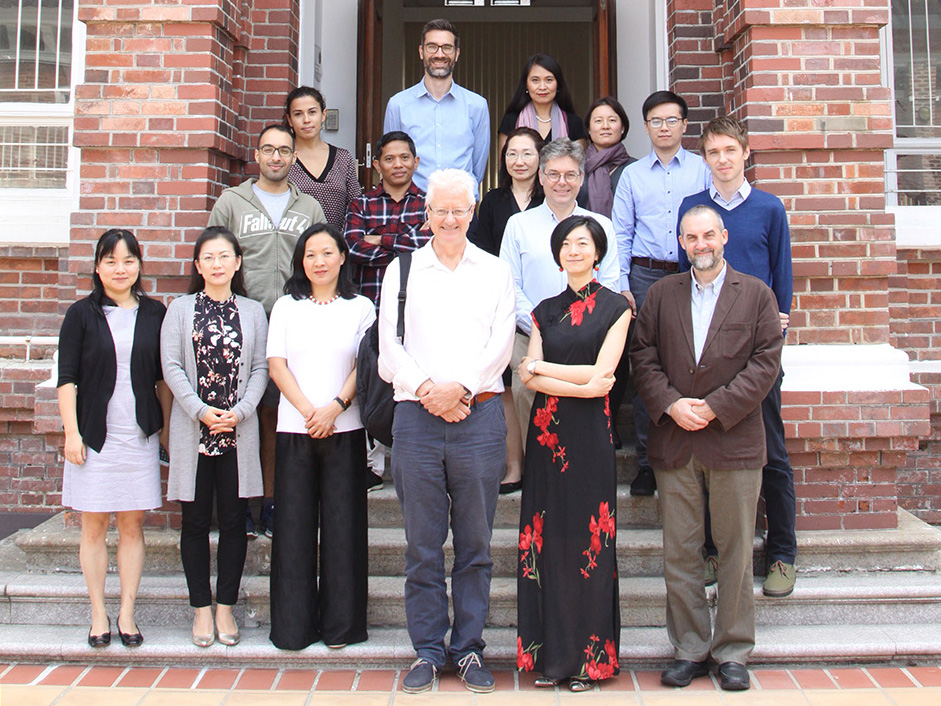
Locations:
{"points": [[213, 355]]}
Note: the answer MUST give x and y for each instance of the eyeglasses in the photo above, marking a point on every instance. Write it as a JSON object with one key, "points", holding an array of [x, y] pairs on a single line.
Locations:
{"points": [[431, 48], [568, 177], [445, 212], [269, 150], [657, 123], [224, 258], [512, 156]]}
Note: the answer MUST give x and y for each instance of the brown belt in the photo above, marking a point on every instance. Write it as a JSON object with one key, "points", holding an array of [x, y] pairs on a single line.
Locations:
{"points": [[482, 397], [656, 264]]}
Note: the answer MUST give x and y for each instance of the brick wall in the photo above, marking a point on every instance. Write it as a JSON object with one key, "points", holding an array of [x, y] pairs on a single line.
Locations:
{"points": [[31, 293]]}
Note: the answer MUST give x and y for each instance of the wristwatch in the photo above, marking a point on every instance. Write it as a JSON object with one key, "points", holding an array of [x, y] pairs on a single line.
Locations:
{"points": [[531, 368]]}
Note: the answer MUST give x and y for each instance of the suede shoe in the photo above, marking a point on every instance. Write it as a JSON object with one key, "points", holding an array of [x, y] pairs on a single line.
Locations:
{"points": [[474, 674], [711, 570], [645, 483], [420, 677], [733, 677], [683, 671], [780, 580]]}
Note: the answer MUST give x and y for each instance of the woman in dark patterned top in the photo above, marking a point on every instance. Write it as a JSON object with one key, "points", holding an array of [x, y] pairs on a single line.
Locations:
{"points": [[213, 354], [326, 172]]}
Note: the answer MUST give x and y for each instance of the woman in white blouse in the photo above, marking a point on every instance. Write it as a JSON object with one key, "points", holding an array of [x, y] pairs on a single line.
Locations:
{"points": [[320, 452]]}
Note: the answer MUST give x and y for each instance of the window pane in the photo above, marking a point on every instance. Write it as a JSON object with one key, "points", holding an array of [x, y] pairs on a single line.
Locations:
{"points": [[33, 157], [919, 179], [35, 50]]}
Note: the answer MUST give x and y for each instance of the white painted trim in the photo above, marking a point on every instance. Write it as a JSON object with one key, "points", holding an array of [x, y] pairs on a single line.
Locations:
{"points": [[917, 226], [829, 368]]}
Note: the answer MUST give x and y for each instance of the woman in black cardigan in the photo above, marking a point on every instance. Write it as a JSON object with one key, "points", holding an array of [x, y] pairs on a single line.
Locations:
{"points": [[109, 381]]}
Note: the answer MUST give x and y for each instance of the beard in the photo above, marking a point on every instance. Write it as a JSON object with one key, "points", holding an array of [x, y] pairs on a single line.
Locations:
{"points": [[706, 261], [439, 71]]}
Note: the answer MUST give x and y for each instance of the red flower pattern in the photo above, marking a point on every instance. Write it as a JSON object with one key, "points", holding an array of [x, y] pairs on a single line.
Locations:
{"points": [[605, 525], [600, 663], [530, 545], [584, 302], [526, 659], [542, 419]]}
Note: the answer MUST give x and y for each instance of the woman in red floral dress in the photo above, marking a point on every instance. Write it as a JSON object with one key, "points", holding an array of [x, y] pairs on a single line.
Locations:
{"points": [[568, 611]]}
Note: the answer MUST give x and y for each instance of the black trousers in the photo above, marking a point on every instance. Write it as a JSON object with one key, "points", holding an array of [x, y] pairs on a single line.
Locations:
{"points": [[319, 484], [777, 486], [216, 476]]}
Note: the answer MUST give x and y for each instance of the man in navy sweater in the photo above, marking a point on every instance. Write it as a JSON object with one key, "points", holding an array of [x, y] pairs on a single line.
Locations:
{"points": [[759, 245]]}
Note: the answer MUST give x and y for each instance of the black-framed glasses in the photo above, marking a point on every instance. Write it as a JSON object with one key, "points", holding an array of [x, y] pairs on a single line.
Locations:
{"points": [[269, 150]]}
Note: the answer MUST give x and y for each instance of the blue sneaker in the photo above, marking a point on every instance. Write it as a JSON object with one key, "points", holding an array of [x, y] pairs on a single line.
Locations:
{"points": [[420, 677], [267, 518], [474, 674]]}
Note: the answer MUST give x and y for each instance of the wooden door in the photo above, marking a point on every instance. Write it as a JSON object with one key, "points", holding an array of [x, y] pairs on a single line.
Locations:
{"points": [[368, 87], [605, 46]]}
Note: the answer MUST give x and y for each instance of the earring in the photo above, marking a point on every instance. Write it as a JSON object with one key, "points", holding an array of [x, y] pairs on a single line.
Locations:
{"points": [[561, 269], [597, 266]]}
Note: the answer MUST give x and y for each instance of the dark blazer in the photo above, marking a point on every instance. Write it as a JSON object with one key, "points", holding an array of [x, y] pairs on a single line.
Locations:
{"points": [[738, 366], [87, 359]]}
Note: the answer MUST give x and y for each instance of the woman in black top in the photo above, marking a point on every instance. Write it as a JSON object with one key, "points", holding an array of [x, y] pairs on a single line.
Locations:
{"points": [[519, 190], [109, 380], [541, 101]]}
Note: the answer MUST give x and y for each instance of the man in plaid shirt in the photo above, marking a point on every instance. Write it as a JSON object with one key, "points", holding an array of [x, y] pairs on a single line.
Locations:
{"points": [[388, 219]]}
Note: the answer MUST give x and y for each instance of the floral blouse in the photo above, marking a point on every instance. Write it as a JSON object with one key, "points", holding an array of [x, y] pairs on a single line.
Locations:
{"points": [[217, 343]]}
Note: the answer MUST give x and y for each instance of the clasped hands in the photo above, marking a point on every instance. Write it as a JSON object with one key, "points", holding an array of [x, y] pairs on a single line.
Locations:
{"points": [[691, 413], [444, 399], [219, 421]]}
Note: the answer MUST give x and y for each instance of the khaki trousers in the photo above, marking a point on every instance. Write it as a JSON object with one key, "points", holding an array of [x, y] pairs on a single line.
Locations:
{"points": [[733, 502], [522, 396]]}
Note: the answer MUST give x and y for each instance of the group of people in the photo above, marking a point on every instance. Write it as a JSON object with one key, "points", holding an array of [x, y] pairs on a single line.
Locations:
{"points": [[509, 375]]}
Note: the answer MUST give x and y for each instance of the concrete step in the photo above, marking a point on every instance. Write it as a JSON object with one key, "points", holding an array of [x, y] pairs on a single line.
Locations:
{"points": [[632, 513], [854, 643], [897, 597], [913, 546]]}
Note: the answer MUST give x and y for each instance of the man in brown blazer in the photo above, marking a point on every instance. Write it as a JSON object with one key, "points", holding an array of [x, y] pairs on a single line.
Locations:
{"points": [[706, 351]]}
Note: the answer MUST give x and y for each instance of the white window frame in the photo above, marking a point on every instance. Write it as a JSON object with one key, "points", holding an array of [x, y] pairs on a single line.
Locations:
{"points": [[915, 226], [42, 216]]}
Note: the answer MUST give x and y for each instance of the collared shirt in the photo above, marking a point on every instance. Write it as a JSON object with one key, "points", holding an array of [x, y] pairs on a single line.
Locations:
{"points": [[703, 304], [458, 323], [738, 198], [398, 222], [525, 248], [646, 203], [452, 132]]}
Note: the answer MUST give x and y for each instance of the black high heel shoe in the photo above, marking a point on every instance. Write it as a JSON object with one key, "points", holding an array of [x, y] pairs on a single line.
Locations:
{"points": [[129, 639], [102, 640]]}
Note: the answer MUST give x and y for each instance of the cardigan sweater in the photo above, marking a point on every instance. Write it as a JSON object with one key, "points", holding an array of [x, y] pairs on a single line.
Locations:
{"points": [[179, 365], [87, 359]]}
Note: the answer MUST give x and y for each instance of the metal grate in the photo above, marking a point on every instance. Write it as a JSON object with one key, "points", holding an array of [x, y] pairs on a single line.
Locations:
{"points": [[916, 49], [33, 157], [916, 179], [35, 50]]}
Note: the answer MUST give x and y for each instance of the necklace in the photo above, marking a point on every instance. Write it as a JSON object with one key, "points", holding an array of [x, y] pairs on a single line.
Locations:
{"points": [[324, 302], [544, 120]]}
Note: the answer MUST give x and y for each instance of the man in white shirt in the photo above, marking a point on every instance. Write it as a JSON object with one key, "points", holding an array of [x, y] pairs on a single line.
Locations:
{"points": [[449, 445], [525, 248]]}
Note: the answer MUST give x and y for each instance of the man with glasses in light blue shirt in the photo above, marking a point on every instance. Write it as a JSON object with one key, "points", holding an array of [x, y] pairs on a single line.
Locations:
{"points": [[526, 249], [449, 124], [645, 210]]}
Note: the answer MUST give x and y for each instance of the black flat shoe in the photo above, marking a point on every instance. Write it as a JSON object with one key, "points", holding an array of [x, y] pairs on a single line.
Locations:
{"points": [[682, 671], [129, 639], [733, 677], [507, 488], [102, 640]]}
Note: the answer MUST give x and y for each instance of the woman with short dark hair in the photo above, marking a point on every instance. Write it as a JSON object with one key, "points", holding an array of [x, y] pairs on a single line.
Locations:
{"points": [[606, 155], [567, 540], [213, 352], [320, 451], [108, 387]]}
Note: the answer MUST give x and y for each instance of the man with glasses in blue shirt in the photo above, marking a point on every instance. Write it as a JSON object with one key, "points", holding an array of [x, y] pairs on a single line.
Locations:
{"points": [[645, 210], [449, 124], [526, 249]]}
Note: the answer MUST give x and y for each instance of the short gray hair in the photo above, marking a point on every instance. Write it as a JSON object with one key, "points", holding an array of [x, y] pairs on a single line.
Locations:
{"points": [[456, 179], [702, 209], [563, 147]]}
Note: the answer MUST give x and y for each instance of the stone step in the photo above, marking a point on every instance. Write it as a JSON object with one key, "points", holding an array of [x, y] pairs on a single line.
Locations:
{"points": [[913, 546], [897, 597], [632, 513], [850, 643]]}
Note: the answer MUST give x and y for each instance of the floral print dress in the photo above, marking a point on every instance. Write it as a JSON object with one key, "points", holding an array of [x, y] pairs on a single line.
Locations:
{"points": [[568, 610]]}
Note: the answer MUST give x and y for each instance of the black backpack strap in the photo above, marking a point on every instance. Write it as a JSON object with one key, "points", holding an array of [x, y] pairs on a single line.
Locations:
{"points": [[405, 263]]}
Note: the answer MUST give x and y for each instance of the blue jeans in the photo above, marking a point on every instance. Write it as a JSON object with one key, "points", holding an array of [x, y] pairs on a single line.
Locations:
{"points": [[641, 279], [441, 469]]}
